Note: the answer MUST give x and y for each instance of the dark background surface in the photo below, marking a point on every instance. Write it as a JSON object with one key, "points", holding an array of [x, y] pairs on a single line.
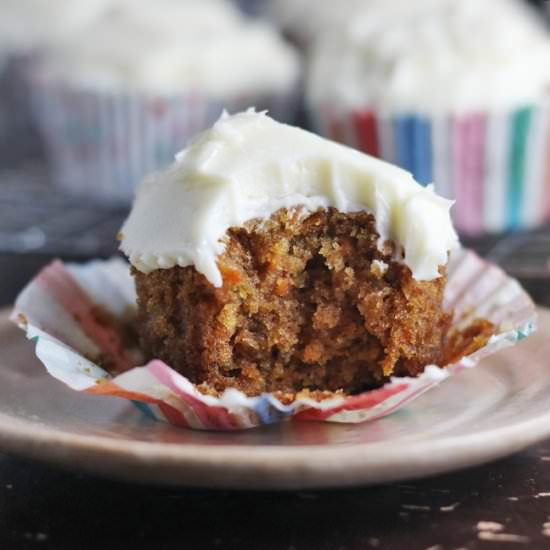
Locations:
{"points": [[502, 505], [42, 507]]}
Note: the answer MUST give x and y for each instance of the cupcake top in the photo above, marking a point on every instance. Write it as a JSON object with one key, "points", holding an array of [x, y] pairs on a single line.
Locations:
{"points": [[248, 166], [305, 19], [433, 56], [26, 24], [174, 46]]}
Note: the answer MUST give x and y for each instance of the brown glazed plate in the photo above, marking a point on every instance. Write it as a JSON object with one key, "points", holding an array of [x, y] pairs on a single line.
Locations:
{"points": [[493, 410]]}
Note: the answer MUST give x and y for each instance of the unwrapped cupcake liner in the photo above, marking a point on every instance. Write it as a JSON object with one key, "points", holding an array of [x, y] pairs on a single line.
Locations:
{"points": [[102, 144], [495, 165], [19, 138], [58, 311]]}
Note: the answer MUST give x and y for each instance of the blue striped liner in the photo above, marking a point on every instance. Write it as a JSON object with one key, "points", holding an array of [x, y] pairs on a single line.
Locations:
{"points": [[145, 409], [423, 165], [270, 410], [413, 146], [403, 128]]}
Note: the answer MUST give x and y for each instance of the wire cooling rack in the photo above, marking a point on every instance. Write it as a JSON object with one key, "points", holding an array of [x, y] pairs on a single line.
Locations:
{"points": [[527, 256], [36, 217]]}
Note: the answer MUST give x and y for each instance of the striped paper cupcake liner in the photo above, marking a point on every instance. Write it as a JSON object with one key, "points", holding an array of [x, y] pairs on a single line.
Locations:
{"points": [[58, 311], [496, 166], [101, 145]]}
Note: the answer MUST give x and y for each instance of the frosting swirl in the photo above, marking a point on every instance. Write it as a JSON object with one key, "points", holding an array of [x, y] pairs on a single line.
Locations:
{"points": [[247, 166]]}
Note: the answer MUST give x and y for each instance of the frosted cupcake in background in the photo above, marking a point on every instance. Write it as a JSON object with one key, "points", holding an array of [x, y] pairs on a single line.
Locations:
{"points": [[455, 92], [118, 99], [303, 20], [25, 27]]}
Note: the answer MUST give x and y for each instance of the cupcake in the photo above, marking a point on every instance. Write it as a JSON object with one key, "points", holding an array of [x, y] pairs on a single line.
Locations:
{"points": [[275, 275], [23, 33], [118, 99], [268, 259], [303, 20], [455, 92]]}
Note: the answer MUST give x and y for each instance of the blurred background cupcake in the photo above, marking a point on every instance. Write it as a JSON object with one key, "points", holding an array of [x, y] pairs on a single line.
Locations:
{"points": [[26, 26], [303, 20], [117, 99], [454, 91]]}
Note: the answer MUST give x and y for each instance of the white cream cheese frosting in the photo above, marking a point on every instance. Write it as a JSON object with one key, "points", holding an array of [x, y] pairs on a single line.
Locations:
{"points": [[175, 46], [26, 24], [247, 166], [433, 56], [305, 19]]}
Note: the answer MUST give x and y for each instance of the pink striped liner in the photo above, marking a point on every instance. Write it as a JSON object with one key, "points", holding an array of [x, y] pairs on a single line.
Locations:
{"points": [[69, 295], [355, 403], [468, 164], [213, 416], [110, 389]]}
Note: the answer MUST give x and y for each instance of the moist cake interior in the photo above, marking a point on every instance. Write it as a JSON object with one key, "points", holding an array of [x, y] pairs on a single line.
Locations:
{"points": [[308, 302]]}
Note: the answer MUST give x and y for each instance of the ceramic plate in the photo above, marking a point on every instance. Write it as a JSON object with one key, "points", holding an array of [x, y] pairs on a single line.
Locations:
{"points": [[490, 411]]}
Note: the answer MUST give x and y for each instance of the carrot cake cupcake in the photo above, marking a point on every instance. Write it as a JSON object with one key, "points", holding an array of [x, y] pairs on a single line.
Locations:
{"points": [[269, 259]]}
